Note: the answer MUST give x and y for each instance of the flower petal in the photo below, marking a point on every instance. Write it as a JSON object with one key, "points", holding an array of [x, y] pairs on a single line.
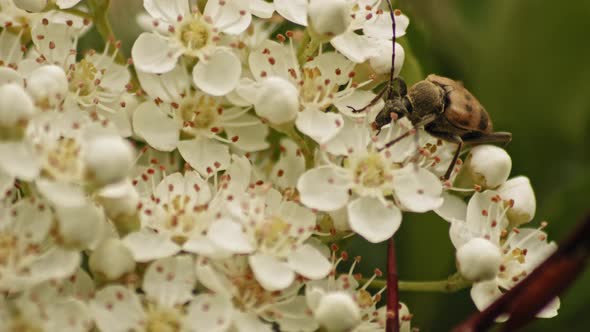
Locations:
{"points": [[19, 160], [323, 188], [170, 281], [209, 313], [159, 131], [154, 54], [205, 155], [168, 10], [230, 236], [320, 126], [220, 74], [355, 47], [380, 27], [453, 208], [62, 193], [372, 220], [168, 86], [309, 262], [230, 16], [117, 309], [418, 190], [147, 245], [271, 273], [293, 10], [262, 8]]}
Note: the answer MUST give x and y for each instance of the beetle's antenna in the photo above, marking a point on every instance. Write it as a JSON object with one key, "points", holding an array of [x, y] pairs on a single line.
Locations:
{"points": [[392, 71]]}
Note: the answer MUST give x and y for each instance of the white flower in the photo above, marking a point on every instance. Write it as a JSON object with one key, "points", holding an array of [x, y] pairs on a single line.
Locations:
{"points": [[205, 121], [521, 249], [233, 280], [375, 42], [168, 284], [96, 84], [29, 255], [192, 34], [366, 178], [339, 290], [56, 305], [283, 91], [273, 232]]}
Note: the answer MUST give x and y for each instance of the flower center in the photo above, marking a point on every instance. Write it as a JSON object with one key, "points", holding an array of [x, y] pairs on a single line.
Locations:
{"points": [[63, 158], [198, 113], [273, 232], [370, 171], [314, 89], [194, 35], [82, 77], [183, 217], [163, 320]]}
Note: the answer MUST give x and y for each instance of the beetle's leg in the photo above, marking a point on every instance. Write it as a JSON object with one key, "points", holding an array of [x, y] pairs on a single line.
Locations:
{"points": [[426, 120], [372, 102], [497, 137], [452, 139]]}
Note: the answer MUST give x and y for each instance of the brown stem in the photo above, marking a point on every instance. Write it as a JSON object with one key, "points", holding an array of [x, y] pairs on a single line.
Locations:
{"points": [[392, 323]]}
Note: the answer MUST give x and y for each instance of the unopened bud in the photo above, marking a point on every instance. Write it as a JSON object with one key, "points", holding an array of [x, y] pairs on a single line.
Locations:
{"points": [[48, 85], [521, 194], [479, 260], [15, 105], [488, 165], [80, 227], [277, 101], [329, 18], [33, 6], [108, 159], [338, 311], [111, 260]]}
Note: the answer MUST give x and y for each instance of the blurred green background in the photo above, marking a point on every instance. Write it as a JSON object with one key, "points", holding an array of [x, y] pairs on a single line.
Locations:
{"points": [[528, 62]]}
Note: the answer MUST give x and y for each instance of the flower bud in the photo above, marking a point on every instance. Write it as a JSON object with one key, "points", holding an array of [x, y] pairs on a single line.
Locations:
{"points": [[33, 6], [337, 311], [48, 84], [15, 105], [111, 260], [108, 159], [488, 165], [479, 260], [80, 227], [329, 17], [119, 199], [277, 101], [519, 190]]}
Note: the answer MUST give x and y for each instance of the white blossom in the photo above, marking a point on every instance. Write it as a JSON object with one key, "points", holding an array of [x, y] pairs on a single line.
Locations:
{"points": [[366, 179]]}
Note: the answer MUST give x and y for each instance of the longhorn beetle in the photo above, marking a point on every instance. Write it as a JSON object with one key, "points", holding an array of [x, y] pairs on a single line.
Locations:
{"points": [[441, 105]]}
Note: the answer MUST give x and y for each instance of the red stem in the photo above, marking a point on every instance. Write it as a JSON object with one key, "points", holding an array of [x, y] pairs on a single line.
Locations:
{"points": [[392, 323]]}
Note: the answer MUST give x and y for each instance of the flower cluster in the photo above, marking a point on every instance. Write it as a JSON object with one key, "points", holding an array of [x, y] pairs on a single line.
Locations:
{"points": [[198, 185]]}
